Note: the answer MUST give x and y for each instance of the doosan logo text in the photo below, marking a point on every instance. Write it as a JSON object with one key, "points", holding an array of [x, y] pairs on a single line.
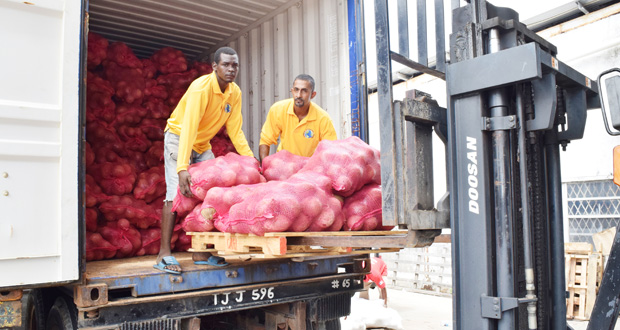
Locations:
{"points": [[472, 178]]}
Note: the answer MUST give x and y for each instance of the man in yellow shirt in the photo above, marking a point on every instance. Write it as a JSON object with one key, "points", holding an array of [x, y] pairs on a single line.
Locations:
{"points": [[210, 102], [299, 123]]}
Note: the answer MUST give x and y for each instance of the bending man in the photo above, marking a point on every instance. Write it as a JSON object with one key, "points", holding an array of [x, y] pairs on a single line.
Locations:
{"points": [[210, 102]]}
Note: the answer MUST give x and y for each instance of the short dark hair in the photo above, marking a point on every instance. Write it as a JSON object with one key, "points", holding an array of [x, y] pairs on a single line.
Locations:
{"points": [[223, 50], [306, 77]]}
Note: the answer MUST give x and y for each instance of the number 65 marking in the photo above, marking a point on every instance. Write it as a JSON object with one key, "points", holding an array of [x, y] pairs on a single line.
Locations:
{"points": [[346, 283]]}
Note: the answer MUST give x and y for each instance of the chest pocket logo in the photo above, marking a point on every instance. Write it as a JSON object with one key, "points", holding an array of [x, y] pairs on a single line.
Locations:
{"points": [[227, 108], [309, 134]]}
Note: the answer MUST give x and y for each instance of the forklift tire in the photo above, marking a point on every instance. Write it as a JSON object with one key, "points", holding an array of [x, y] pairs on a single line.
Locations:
{"points": [[62, 315], [33, 311]]}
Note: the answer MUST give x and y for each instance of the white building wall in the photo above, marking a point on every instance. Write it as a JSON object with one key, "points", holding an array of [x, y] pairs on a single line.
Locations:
{"points": [[590, 49]]}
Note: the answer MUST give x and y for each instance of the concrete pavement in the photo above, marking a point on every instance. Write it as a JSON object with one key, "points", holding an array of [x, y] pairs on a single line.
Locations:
{"points": [[430, 312]]}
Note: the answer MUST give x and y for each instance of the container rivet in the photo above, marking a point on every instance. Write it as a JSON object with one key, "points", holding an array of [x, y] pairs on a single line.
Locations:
{"points": [[5, 175], [5, 193]]}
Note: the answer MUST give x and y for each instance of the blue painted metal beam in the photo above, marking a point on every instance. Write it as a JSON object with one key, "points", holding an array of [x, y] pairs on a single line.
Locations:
{"points": [[357, 69], [137, 277]]}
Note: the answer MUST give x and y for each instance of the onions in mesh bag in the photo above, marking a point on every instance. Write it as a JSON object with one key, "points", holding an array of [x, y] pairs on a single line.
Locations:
{"points": [[363, 209], [282, 165], [349, 163]]}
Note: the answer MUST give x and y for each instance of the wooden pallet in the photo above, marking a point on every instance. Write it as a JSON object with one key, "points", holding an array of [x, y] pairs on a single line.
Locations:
{"points": [[583, 274], [274, 245]]}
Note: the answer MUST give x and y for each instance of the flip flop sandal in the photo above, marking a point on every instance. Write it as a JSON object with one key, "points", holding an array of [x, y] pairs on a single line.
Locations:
{"points": [[213, 261], [167, 261]]}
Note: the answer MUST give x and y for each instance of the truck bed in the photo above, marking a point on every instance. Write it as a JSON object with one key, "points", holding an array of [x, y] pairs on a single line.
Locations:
{"points": [[136, 277], [131, 290]]}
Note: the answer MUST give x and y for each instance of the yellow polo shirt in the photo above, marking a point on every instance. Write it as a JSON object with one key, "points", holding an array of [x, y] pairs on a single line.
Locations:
{"points": [[201, 113], [299, 138]]}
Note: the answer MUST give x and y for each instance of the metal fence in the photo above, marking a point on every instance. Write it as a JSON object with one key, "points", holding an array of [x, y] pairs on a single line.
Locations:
{"points": [[591, 207]]}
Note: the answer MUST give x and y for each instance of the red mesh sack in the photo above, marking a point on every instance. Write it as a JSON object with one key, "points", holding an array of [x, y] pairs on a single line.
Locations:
{"points": [[151, 238], [114, 178], [157, 108], [98, 248], [264, 207], [129, 114], [128, 83], [194, 221], [89, 155], [149, 70], [349, 163], [99, 134], [183, 205], [318, 179], [202, 68], [152, 88], [174, 81], [134, 138], [155, 155], [105, 154], [123, 236], [274, 206], [93, 195], [153, 129], [226, 171], [97, 50], [121, 54], [331, 217], [169, 60], [282, 164], [362, 210], [99, 103], [151, 184], [138, 212], [174, 96], [90, 215], [137, 161], [221, 144], [219, 200]]}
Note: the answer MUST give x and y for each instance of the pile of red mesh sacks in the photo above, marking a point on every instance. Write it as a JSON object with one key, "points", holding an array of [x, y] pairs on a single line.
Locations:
{"points": [[304, 194], [127, 104]]}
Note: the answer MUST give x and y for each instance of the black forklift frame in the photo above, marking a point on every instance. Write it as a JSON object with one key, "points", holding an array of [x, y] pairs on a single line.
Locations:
{"points": [[509, 99]]}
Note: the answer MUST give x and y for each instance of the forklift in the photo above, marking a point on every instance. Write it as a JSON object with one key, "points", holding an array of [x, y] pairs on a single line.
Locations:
{"points": [[511, 106]]}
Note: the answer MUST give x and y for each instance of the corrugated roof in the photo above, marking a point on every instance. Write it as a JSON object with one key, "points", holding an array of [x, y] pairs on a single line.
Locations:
{"points": [[195, 27]]}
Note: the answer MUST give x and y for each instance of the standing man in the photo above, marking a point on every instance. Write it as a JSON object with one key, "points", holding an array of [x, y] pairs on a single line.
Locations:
{"points": [[210, 102], [299, 123]]}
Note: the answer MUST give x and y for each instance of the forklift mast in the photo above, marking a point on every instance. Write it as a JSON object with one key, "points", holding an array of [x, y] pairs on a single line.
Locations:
{"points": [[511, 106]]}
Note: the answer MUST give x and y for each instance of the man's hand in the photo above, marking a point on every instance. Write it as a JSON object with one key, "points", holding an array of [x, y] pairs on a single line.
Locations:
{"points": [[185, 181]]}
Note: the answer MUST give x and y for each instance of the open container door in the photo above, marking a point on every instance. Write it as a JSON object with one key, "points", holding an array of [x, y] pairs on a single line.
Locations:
{"points": [[39, 141]]}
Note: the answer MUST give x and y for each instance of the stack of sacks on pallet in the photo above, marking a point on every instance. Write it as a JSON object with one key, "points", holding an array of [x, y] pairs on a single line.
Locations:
{"points": [[308, 200], [127, 103]]}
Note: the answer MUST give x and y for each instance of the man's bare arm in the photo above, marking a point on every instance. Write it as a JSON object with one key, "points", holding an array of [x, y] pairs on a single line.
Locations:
{"points": [[185, 180], [263, 152]]}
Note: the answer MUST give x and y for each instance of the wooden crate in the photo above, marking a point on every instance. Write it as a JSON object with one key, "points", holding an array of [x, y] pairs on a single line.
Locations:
{"points": [[583, 274], [274, 245]]}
